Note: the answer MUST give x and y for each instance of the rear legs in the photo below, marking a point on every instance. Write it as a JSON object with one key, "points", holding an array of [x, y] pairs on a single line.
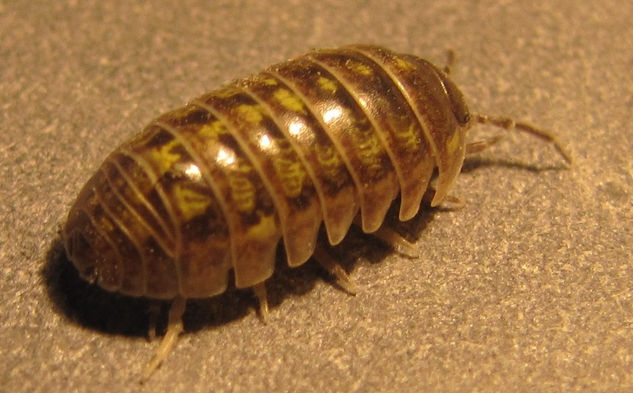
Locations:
{"points": [[174, 328]]}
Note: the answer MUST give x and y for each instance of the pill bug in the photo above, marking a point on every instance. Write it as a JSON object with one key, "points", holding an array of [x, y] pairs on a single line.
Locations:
{"points": [[329, 137]]}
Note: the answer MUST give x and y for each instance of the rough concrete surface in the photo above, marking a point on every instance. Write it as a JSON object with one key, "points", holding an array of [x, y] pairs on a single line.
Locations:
{"points": [[526, 288]]}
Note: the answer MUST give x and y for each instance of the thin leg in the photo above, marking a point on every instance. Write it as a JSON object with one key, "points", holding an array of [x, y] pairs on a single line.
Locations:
{"points": [[174, 328], [452, 202], [449, 202], [396, 241], [333, 267], [450, 62], [509, 124], [260, 292], [479, 146], [154, 310]]}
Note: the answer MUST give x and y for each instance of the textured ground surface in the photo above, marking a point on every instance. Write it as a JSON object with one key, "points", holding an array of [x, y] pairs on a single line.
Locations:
{"points": [[528, 288]]}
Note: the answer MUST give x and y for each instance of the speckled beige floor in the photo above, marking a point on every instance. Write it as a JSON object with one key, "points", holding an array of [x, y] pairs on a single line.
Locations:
{"points": [[527, 288]]}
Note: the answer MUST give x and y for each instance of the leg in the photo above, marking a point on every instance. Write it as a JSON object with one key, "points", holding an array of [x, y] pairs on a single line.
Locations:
{"points": [[260, 292], [174, 328], [509, 124], [450, 62], [342, 279], [479, 146], [154, 309], [396, 241], [393, 239], [450, 202]]}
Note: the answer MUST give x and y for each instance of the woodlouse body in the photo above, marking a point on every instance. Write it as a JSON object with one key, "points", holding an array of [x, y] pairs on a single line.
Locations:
{"points": [[215, 185]]}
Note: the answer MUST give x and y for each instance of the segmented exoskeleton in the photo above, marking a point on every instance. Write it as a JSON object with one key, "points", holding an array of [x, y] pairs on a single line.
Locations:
{"points": [[215, 185]]}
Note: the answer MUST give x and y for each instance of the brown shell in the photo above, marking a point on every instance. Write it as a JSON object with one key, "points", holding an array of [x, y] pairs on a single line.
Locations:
{"points": [[216, 185]]}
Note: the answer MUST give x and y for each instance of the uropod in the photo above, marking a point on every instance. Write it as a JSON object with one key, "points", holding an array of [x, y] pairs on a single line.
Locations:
{"points": [[329, 138]]}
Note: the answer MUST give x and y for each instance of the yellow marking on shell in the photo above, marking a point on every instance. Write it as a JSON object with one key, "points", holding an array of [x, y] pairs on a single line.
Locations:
{"points": [[244, 167], [213, 129], [452, 144], [289, 100], [327, 84], [191, 203], [328, 156], [404, 64], [250, 113], [164, 157], [125, 215], [359, 68], [370, 150], [264, 229], [408, 138], [269, 81], [105, 224], [331, 163], [182, 112], [226, 92], [243, 193], [291, 174]]}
